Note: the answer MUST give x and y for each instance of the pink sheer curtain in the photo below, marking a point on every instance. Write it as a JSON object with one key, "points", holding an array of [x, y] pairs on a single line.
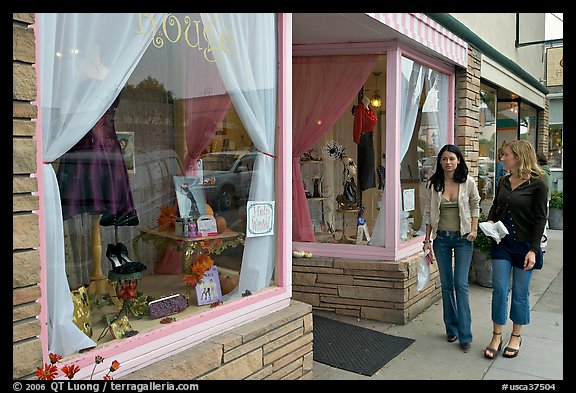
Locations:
{"points": [[323, 88], [201, 116]]}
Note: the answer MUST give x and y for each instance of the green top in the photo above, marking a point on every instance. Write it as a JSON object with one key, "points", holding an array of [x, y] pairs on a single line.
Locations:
{"points": [[449, 215]]}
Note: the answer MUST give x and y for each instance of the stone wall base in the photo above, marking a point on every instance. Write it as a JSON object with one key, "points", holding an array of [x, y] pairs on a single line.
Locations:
{"points": [[275, 347], [378, 290]]}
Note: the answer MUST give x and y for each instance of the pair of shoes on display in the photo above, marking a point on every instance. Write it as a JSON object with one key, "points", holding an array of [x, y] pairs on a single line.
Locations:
{"points": [[490, 352], [117, 254], [119, 220], [512, 352]]}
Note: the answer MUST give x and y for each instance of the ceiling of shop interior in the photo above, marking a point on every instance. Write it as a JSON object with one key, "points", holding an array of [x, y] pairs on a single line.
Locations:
{"points": [[329, 28]]}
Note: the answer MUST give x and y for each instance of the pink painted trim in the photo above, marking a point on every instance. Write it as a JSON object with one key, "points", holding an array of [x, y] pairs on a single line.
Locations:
{"points": [[358, 48], [393, 108], [43, 317], [285, 145], [428, 33]]}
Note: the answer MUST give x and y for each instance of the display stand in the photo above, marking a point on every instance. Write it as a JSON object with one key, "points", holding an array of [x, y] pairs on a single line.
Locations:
{"points": [[98, 281]]}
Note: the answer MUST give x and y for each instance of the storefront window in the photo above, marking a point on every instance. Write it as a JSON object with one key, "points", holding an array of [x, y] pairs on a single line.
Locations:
{"points": [[423, 132], [489, 165], [171, 192], [555, 146]]}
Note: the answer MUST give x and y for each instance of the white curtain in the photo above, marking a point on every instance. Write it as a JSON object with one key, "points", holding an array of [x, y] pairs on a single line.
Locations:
{"points": [[412, 80], [84, 61], [244, 46]]}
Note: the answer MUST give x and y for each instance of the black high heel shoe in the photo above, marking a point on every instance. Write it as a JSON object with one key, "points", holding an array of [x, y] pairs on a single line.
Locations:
{"points": [[127, 266], [112, 256]]}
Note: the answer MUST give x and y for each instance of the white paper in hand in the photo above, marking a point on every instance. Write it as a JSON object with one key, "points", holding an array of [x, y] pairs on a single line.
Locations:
{"points": [[495, 230], [423, 272]]}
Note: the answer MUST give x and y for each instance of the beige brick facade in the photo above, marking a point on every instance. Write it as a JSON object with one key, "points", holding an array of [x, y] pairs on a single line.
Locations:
{"points": [[378, 290], [27, 352]]}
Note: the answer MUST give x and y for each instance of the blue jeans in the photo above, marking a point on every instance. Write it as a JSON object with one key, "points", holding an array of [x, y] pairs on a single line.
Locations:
{"points": [[520, 305], [455, 302]]}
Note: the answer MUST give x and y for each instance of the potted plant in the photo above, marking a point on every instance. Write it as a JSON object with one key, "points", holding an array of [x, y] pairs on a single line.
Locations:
{"points": [[556, 213], [481, 267]]}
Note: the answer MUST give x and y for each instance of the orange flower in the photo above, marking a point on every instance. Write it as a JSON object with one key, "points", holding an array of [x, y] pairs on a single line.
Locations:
{"points": [[114, 366], [167, 217], [47, 373], [54, 358], [70, 371], [198, 267]]}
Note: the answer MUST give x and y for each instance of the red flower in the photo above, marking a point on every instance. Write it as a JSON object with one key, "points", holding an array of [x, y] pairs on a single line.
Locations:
{"points": [[47, 373], [54, 358], [70, 371], [98, 359], [107, 377]]}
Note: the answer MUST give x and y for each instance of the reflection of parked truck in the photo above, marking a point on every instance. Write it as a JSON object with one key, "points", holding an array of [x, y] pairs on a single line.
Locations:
{"points": [[227, 177]]}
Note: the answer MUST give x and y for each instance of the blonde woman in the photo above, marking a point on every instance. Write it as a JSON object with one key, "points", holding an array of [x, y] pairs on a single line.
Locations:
{"points": [[520, 203]]}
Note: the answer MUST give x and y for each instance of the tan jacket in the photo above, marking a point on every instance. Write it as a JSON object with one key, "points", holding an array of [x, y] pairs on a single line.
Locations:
{"points": [[468, 206]]}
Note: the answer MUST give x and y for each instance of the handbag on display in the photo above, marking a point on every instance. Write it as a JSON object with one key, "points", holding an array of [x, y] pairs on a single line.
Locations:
{"points": [[167, 306]]}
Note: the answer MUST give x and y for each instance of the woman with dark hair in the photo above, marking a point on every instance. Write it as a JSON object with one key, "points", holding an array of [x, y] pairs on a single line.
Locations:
{"points": [[451, 217]]}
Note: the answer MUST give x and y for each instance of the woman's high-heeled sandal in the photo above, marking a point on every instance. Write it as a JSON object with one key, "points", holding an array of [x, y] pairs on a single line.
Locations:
{"points": [[513, 352], [113, 257], [489, 352]]}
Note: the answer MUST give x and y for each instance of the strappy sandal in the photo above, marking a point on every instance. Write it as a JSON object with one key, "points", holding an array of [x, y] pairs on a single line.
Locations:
{"points": [[489, 352], [513, 351]]}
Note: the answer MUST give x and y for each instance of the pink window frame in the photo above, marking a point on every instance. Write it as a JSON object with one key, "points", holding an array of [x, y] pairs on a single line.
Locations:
{"points": [[393, 250], [149, 347]]}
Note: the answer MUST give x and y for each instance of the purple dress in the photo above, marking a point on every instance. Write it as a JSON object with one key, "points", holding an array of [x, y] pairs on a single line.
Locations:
{"points": [[92, 175]]}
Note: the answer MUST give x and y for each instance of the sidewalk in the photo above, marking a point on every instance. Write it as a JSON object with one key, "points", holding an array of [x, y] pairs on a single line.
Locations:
{"points": [[430, 357]]}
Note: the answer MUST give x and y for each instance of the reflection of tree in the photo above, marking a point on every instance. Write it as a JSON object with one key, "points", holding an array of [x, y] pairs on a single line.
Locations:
{"points": [[149, 100]]}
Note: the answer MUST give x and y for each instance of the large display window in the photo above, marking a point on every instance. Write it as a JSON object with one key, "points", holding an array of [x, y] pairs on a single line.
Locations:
{"points": [[341, 137], [160, 144]]}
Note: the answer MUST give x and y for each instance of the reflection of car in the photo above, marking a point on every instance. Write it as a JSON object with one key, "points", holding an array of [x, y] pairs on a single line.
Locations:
{"points": [[427, 167], [227, 177]]}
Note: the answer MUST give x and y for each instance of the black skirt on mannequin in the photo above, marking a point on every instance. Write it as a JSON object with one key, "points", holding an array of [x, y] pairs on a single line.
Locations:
{"points": [[366, 170], [93, 178]]}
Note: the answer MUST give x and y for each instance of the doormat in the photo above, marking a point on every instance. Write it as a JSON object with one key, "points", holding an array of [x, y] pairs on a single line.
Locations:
{"points": [[354, 348]]}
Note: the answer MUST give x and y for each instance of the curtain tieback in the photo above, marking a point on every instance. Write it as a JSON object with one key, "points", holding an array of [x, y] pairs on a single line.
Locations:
{"points": [[266, 154]]}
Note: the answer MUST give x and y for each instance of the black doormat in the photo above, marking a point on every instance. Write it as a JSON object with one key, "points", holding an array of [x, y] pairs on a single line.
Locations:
{"points": [[354, 348]]}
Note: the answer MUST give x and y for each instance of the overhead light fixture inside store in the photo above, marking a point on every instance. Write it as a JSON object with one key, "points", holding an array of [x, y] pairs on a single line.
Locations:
{"points": [[376, 100]]}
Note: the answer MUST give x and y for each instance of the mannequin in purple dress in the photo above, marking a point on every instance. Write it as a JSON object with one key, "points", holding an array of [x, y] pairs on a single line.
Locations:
{"points": [[92, 175]]}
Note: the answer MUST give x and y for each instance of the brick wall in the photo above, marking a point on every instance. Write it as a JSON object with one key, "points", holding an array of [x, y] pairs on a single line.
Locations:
{"points": [[378, 290], [468, 110], [276, 347], [27, 351]]}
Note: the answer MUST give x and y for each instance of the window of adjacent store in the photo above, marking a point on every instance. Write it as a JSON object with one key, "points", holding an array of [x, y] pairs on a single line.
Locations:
{"points": [[161, 130]]}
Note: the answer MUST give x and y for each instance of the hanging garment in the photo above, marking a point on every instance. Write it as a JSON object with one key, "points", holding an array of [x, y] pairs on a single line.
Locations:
{"points": [[92, 175], [364, 123]]}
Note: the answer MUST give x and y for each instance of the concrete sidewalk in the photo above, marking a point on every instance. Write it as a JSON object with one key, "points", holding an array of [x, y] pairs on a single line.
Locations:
{"points": [[431, 357]]}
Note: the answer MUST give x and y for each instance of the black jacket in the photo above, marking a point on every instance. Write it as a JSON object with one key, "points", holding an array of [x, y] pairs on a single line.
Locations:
{"points": [[527, 204]]}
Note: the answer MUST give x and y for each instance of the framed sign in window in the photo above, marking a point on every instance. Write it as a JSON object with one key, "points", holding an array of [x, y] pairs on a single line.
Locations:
{"points": [[126, 139]]}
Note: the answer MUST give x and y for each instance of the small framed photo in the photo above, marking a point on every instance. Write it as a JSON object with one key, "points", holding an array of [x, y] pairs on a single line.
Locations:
{"points": [[209, 291], [126, 139]]}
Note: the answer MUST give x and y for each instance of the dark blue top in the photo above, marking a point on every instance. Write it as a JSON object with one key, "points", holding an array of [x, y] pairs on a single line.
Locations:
{"points": [[513, 250]]}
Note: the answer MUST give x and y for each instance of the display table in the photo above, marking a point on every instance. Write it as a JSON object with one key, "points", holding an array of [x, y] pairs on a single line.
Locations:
{"points": [[189, 246]]}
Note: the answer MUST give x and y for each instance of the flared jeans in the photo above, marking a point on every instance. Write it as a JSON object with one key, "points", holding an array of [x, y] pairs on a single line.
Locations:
{"points": [[454, 281]]}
